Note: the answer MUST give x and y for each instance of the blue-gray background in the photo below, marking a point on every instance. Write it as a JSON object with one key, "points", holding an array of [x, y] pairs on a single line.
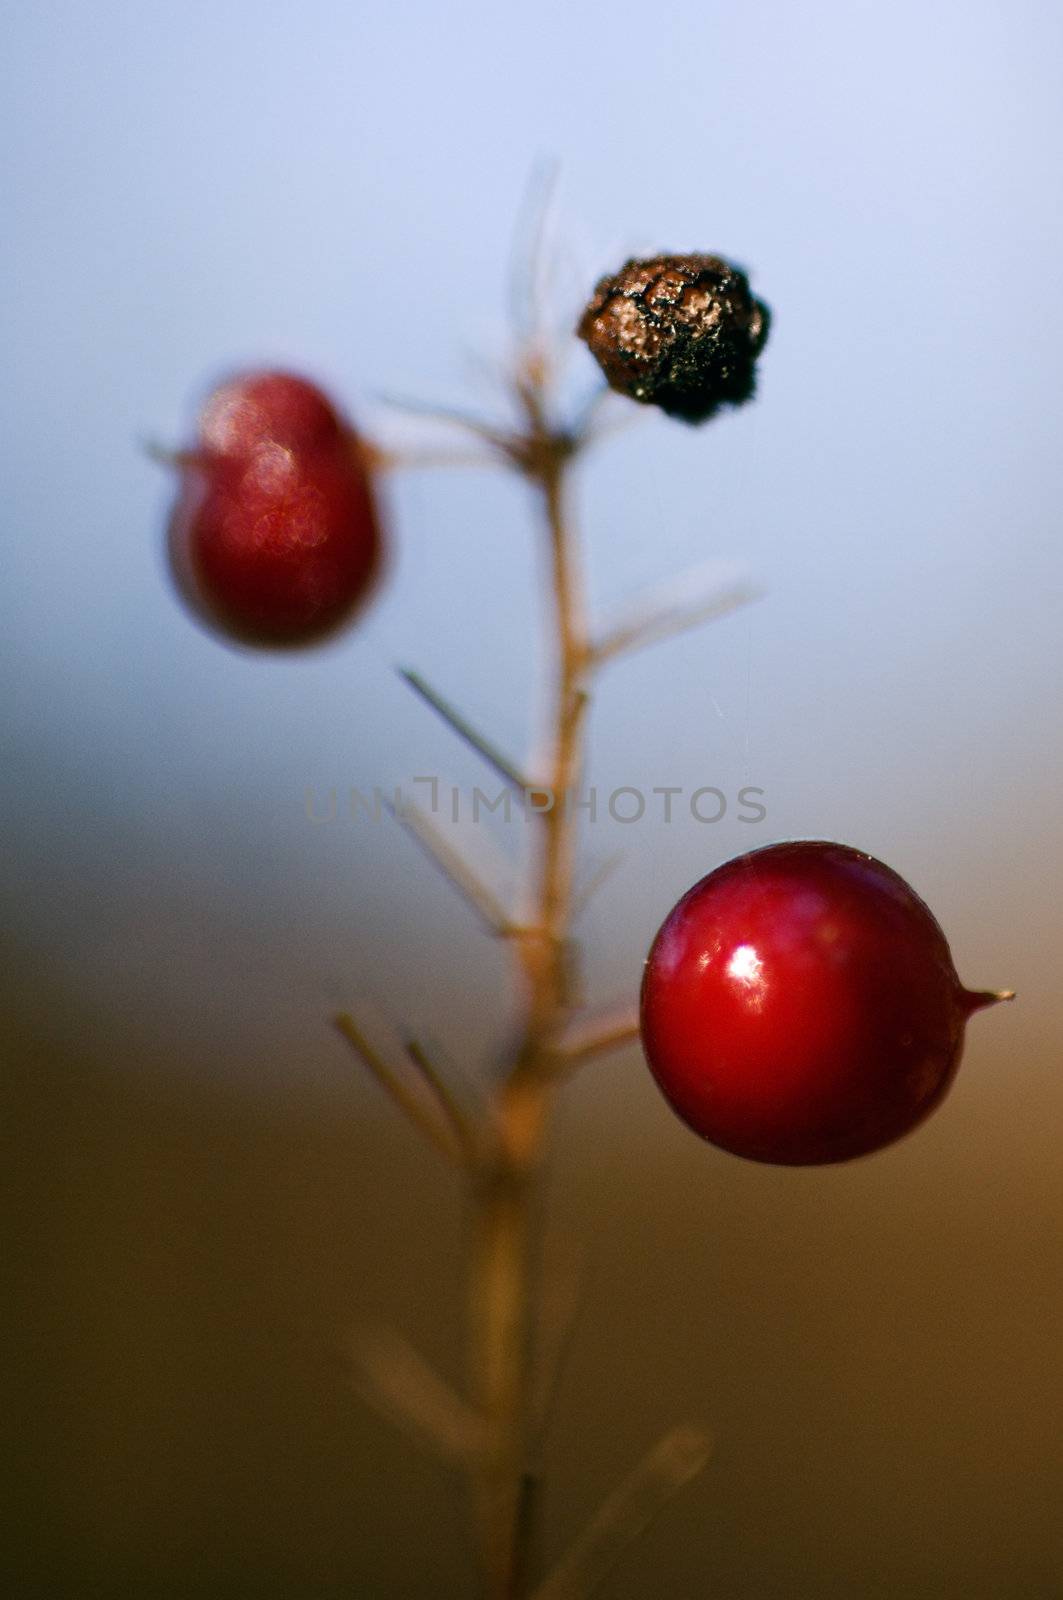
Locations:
{"points": [[335, 187]]}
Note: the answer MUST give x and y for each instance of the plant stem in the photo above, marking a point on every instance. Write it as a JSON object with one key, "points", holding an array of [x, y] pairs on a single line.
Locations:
{"points": [[506, 1182]]}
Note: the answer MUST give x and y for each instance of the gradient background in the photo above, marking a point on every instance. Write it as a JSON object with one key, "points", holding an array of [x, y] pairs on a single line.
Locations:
{"points": [[205, 1194]]}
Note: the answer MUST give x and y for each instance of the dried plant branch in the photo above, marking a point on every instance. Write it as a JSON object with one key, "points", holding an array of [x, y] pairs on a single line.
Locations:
{"points": [[601, 874], [454, 719], [163, 456], [501, 1287], [561, 1301], [527, 1528], [437, 1132], [529, 257], [394, 1378], [504, 1148], [598, 1033], [463, 1129], [396, 459], [590, 428], [499, 439], [668, 612], [633, 1505], [599, 396], [455, 868]]}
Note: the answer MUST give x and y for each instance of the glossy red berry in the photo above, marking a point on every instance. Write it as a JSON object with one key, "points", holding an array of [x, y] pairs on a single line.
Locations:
{"points": [[800, 1006], [275, 537]]}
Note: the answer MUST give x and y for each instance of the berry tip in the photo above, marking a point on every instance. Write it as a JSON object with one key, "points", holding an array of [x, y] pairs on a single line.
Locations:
{"points": [[976, 999]]}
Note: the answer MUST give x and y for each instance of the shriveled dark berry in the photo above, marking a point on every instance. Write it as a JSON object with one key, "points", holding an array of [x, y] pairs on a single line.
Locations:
{"points": [[679, 332]]}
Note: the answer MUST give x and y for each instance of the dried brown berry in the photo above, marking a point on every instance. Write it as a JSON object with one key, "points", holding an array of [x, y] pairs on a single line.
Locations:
{"points": [[679, 332]]}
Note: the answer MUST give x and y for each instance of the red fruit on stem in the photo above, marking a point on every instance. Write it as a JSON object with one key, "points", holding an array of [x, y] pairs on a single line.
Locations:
{"points": [[274, 540], [800, 1006], [267, 408]]}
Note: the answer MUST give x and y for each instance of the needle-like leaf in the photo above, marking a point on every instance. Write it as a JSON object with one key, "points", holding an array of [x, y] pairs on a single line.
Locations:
{"points": [[586, 890], [395, 1378], [531, 251], [687, 602], [460, 1124], [436, 1131], [164, 456], [462, 727], [414, 458], [452, 416], [628, 1511], [453, 867], [599, 1032], [561, 1301]]}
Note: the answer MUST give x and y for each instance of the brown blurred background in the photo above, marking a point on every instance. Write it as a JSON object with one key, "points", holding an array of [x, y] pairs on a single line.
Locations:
{"points": [[875, 1348]]}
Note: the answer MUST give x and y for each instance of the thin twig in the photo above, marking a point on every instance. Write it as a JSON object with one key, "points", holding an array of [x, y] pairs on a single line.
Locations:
{"points": [[453, 867], [527, 1527], [459, 1122], [587, 431], [395, 1378], [163, 456], [395, 459], [560, 1306], [656, 625], [501, 1288], [598, 1033], [498, 438], [437, 1132], [462, 727], [528, 262], [587, 890], [633, 1505], [614, 426]]}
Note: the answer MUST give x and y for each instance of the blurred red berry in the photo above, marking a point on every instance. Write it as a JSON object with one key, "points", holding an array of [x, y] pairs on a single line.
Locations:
{"points": [[264, 408], [800, 1006], [275, 538]]}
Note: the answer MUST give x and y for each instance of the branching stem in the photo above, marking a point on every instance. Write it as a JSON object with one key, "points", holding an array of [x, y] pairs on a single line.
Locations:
{"points": [[506, 1189], [501, 1147]]}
